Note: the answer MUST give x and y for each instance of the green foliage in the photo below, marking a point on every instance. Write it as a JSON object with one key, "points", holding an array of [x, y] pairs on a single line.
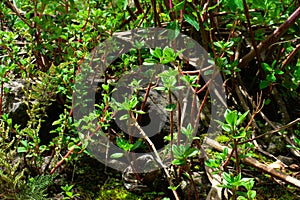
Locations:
{"points": [[45, 43], [36, 188], [182, 153], [127, 146], [233, 120], [68, 194], [11, 177], [217, 161], [233, 182], [271, 73]]}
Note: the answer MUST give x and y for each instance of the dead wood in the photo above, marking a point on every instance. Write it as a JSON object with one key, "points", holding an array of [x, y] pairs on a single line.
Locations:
{"points": [[256, 164]]}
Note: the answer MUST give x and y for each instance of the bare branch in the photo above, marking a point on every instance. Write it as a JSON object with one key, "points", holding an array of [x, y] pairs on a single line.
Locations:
{"points": [[274, 37]]}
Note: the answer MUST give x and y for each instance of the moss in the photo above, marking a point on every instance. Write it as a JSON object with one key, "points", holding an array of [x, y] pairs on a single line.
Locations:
{"points": [[275, 191], [114, 190], [222, 139]]}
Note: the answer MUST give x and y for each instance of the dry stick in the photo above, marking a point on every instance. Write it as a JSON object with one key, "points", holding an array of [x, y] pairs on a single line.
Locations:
{"points": [[256, 164], [294, 151], [274, 37], [240, 94], [273, 131], [171, 123], [158, 159]]}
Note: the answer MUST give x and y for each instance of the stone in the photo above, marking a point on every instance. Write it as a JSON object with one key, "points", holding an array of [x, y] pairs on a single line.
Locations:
{"points": [[143, 163], [286, 160], [13, 102]]}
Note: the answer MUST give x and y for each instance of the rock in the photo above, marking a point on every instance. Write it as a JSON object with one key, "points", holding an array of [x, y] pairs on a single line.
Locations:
{"points": [[202, 185], [277, 146], [286, 160], [13, 102], [147, 179]]}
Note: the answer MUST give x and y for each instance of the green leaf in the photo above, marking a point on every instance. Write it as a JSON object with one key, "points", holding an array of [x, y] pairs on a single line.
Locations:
{"points": [[263, 84], [122, 4], [173, 187], [212, 163], [117, 155], [179, 162], [239, 4], [176, 151], [169, 54], [192, 21], [150, 61], [231, 117], [278, 71], [241, 134], [234, 4], [157, 52], [170, 107], [121, 142], [251, 194], [266, 67], [192, 152], [218, 44], [227, 128], [227, 177], [136, 145], [124, 117], [139, 112], [174, 25], [24, 143], [22, 150], [241, 118], [69, 194], [271, 77], [179, 6]]}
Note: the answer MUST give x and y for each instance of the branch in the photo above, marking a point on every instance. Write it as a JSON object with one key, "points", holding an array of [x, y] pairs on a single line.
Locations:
{"points": [[18, 12], [290, 56], [254, 163], [274, 37]]}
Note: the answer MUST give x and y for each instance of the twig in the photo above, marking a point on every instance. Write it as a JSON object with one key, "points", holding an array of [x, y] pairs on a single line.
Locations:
{"points": [[65, 157], [157, 157], [273, 131]]}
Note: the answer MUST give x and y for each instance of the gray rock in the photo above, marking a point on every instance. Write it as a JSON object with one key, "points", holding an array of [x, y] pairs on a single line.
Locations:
{"points": [[143, 163], [286, 160], [202, 185], [13, 102], [276, 146]]}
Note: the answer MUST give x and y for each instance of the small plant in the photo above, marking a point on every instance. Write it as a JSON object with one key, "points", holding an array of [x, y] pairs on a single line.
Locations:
{"points": [[271, 73], [68, 193], [36, 187], [182, 153], [232, 126], [233, 121], [234, 182]]}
